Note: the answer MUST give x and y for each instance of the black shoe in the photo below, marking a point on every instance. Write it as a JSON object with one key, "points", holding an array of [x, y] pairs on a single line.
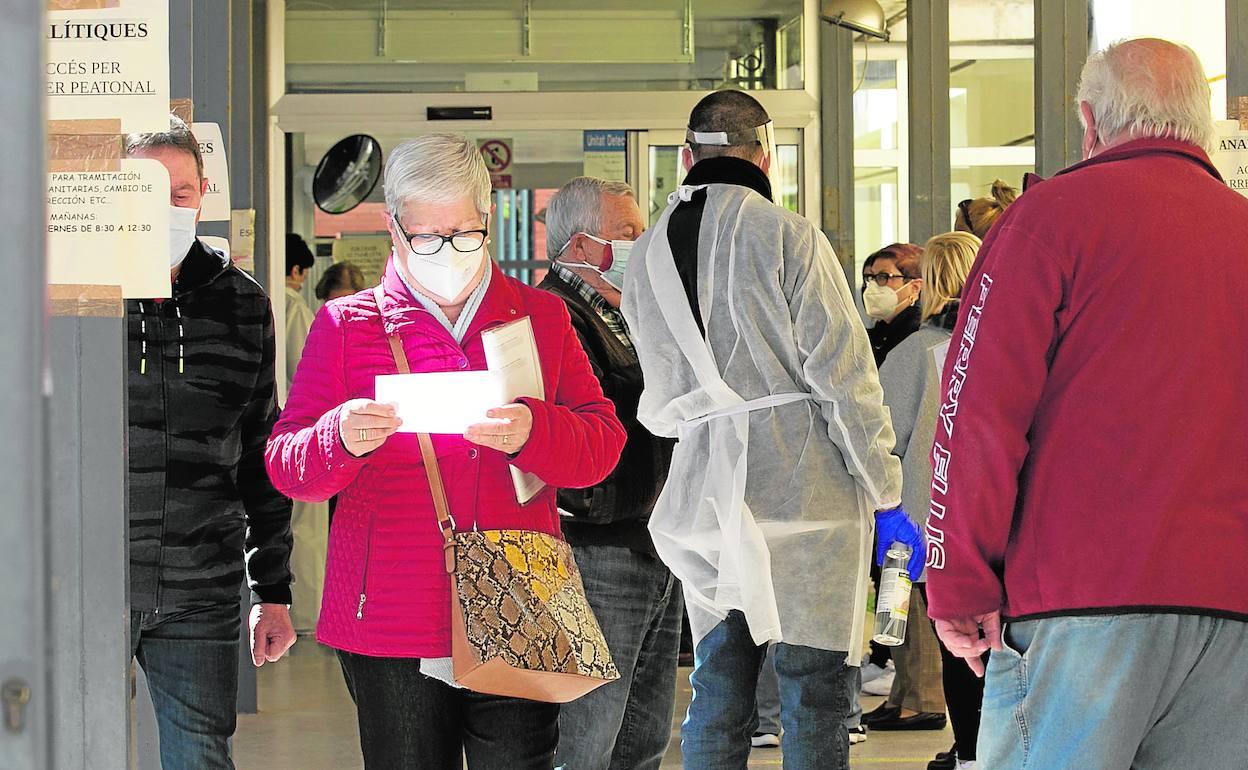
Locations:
{"points": [[945, 760], [927, 720], [880, 713], [945, 756]]}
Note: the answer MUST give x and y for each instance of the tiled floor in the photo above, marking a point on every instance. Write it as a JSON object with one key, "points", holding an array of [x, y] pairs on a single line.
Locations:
{"points": [[307, 722]]}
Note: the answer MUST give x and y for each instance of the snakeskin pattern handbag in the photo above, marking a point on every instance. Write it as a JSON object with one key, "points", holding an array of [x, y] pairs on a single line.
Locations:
{"points": [[520, 623]]}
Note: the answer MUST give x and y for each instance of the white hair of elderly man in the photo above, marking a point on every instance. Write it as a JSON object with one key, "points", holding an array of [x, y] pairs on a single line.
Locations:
{"points": [[1147, 87], [577, 208]]}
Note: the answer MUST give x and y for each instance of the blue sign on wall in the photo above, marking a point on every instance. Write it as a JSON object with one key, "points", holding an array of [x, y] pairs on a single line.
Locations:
{"points": [[606, 141]]}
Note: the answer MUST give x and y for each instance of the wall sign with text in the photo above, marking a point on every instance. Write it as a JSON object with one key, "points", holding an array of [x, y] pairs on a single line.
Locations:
{"points": [[216, 205], [108, 63], [111, 228], [1230, 155]]}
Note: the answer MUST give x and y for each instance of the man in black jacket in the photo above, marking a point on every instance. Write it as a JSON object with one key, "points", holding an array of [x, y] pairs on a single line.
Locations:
{"points": [[201, 405], [590, 226]]}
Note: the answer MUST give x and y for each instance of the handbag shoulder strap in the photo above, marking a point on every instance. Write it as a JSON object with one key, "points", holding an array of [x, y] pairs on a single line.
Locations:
{"points": [[445, 522]]}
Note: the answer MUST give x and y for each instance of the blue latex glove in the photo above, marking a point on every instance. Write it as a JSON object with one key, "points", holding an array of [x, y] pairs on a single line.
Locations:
{"points": [[895, 526]]}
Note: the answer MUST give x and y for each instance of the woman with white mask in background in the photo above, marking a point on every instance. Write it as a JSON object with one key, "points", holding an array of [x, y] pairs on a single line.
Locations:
{"points": [[387, 602], [890, 296]]}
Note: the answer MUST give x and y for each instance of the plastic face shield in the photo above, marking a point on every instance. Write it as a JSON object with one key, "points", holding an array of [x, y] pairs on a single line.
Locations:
{"points": [[764, 135]]}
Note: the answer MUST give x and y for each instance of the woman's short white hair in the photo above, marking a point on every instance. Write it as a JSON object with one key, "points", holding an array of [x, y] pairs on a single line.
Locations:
{"points": [[1148, 88], [436, 168], [577, 208]]}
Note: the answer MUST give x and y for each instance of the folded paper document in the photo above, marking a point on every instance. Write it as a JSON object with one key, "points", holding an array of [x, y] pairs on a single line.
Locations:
{"points": [[450, 402]]}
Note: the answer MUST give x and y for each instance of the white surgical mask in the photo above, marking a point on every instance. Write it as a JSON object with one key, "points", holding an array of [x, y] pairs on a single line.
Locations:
{"points": [[446, 273], [880, 302], [614, 260], [181, 233]]}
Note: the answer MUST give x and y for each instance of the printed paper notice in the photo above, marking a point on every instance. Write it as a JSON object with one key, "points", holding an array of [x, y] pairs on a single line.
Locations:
{"points": [[369, 254], [441, 402], [1230, 155], [111, 228], [109, 64], [216, 205]]}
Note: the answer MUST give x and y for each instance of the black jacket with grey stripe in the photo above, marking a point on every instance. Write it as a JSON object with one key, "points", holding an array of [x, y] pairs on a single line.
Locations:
{"points": [[202, 402]]}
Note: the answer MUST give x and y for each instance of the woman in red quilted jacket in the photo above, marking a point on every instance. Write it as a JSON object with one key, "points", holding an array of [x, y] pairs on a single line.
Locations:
{"points": [[386, 607]]}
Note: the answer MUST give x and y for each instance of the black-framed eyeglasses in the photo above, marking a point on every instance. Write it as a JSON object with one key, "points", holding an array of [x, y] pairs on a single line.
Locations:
{"points": [[428, 244], [965, 208], [881, 278]]}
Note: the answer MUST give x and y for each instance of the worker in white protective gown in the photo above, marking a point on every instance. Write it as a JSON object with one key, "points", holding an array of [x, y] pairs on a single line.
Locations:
{"points": [[755, 359]]}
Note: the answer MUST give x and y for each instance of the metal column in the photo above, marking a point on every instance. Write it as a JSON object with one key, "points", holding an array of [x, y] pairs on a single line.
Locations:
{"points": [[836, 127], [1061, 50], [24, 535], [1237, 55], [87, 555], [927, 46]]}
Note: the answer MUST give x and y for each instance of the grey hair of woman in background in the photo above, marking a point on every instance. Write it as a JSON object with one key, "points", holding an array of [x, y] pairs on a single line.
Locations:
{"points": [[341, 279]]}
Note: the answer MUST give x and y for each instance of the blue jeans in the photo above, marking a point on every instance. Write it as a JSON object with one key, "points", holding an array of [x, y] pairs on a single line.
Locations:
{"points": [[1109, 692], [190, 659], [767, 696], [627, 724], [814, 700]]}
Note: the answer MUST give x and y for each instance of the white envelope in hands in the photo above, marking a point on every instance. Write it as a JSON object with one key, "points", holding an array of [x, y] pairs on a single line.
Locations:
{"points": [[442, 402]]}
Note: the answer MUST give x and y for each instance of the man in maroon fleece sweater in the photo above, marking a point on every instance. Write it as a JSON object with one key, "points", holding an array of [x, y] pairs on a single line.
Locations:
{"points": [[1089, 512]]}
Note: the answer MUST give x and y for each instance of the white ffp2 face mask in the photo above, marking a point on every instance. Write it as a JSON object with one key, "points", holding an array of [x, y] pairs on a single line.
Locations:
{"points": [[880, 302], [181, 233], [446, 273]]}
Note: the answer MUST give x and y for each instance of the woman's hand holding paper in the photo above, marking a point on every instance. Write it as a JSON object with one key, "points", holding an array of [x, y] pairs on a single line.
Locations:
{"points": [[364, 425], [506, 430]]}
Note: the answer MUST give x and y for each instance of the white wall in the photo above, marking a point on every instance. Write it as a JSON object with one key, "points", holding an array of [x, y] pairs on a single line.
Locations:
{"points": [[1200, 24]]}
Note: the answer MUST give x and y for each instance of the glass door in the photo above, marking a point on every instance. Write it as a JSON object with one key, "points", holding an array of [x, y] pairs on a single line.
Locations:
{"points": [[658, 170]]}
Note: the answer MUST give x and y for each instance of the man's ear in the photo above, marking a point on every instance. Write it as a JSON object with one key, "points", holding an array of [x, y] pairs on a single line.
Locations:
{"points": [[1089, 129], [203, 186], [765, 164], [576, 248], [686, 157]]}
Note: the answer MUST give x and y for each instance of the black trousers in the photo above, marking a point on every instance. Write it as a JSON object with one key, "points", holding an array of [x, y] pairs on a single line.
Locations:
{"points": [[964, 696], [408, 720]]}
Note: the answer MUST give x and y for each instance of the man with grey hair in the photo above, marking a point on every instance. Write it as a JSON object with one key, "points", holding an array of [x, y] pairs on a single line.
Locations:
{"points": [[1088, 494], [203, 513], [590, 228]]}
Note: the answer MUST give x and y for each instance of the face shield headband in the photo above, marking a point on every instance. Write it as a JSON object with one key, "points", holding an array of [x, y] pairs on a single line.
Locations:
{"points": [[764, 135]]}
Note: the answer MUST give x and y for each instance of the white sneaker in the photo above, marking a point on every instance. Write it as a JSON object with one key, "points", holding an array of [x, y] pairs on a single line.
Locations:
{"points": [[871, 671], [857, 735], [765, 741], [881, 685], [966, 765]]}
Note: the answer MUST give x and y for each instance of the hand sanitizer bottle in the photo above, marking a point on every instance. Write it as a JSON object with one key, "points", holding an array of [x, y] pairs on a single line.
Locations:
{"points": [[892, 605]]}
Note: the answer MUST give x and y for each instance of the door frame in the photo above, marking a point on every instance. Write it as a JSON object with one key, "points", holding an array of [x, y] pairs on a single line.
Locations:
{"points": [[640, 178], [658, 114]]}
